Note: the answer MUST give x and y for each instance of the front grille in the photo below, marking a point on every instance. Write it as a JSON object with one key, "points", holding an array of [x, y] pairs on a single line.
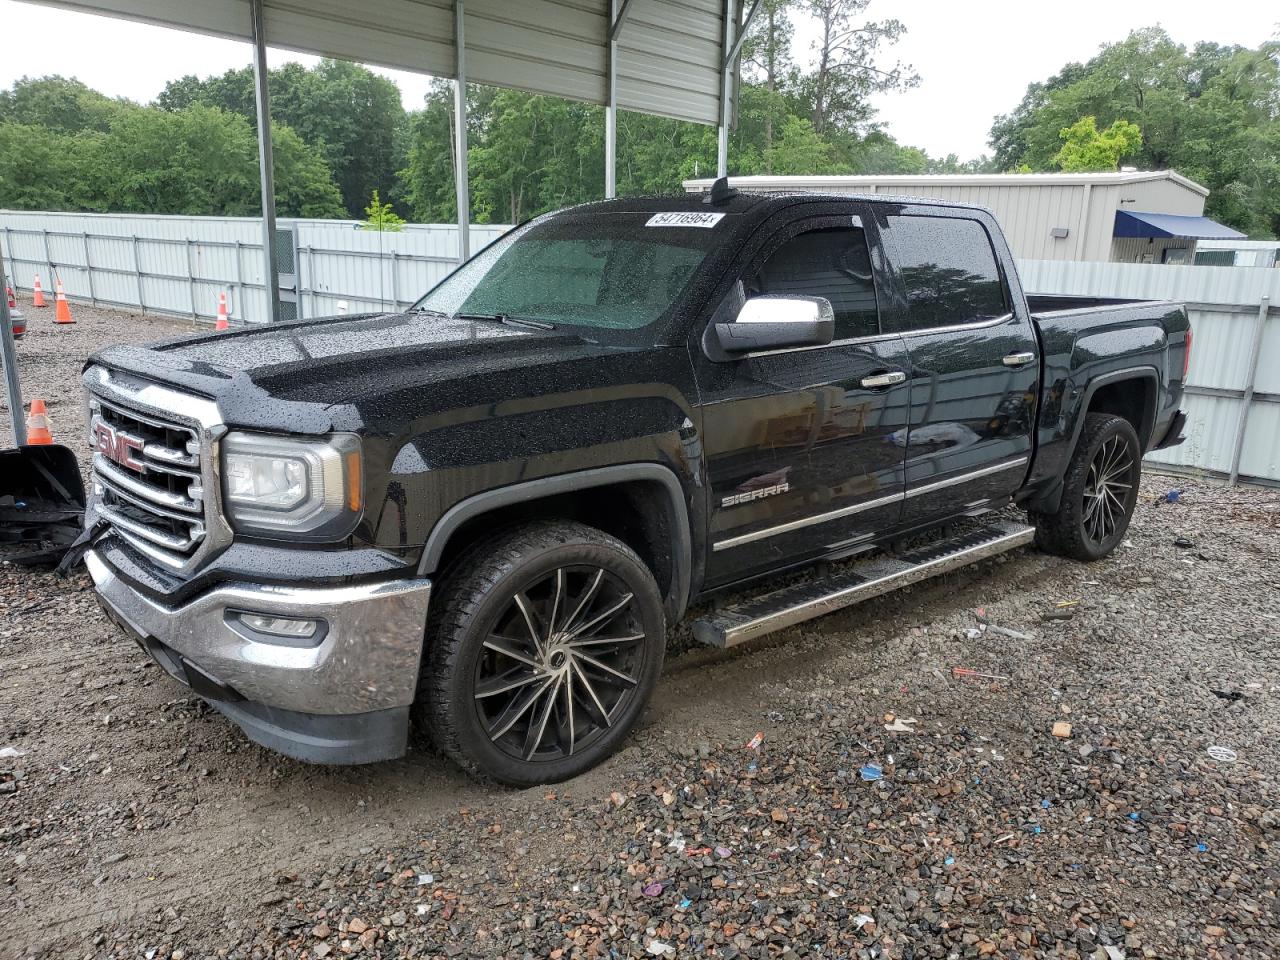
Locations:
{"points": [[159, 507]]}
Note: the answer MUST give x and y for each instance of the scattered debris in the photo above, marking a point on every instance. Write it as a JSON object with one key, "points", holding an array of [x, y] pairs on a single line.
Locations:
{"points": [[968, 673], [1173, 496], [1061, 729], [862, 919], [658, 948], [1231, 696], [902, 725], [652, 889], [1006, 632], [871, 772], [754, 742], [11, 753], [1183, 543], [1221, 754]]}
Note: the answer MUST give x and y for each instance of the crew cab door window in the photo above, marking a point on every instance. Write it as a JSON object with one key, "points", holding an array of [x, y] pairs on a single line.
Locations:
{"points": [[947, 271], [832, 263]]}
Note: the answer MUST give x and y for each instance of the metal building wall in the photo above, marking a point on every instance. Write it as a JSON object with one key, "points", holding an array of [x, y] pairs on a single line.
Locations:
{"points": [[1029, 207]]}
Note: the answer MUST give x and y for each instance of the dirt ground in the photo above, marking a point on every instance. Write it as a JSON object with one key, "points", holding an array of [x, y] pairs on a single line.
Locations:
{"points": [[137, 822]]}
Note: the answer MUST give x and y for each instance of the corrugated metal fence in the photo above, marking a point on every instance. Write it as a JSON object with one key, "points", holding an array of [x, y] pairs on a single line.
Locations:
{"points": [[1233, 386], [179, 265]]}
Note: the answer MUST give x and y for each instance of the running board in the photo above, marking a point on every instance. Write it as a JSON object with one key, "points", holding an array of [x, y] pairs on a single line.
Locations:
{"points": [[813, 598]]}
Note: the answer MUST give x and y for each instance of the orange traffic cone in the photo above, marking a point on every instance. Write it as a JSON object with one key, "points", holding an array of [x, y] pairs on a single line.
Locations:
{"points": [[38, 425], [37, 298], [222, 323], [62, 310]]}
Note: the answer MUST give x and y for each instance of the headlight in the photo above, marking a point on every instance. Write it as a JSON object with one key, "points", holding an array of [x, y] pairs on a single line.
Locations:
{"points": [[306, 489]]}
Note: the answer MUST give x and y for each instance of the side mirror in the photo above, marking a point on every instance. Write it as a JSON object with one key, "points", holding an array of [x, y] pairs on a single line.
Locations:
{"points": [[777, 322]]}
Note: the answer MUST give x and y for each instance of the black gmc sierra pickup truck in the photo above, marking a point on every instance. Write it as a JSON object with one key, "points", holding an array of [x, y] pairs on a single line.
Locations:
{"points": [[476, 519]]}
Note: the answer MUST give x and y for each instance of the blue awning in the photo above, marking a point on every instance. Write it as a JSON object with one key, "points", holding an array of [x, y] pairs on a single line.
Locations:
{"points": [[1131, 223]]}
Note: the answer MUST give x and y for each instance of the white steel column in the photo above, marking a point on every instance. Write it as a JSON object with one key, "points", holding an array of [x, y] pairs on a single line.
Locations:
{"points": [[266, 167], [734, 37], [617, 14], [9, 359], [460, 167], [726, 83]]}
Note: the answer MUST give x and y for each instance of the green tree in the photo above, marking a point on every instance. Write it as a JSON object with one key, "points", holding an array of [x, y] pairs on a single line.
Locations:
{"points": [[380, 217], [58, 104], [1085, 147], [1209, 112], [350, 114], [848, 72]]}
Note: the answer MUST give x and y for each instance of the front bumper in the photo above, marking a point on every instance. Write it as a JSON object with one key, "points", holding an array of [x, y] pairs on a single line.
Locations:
{"points": [[344, 699]]}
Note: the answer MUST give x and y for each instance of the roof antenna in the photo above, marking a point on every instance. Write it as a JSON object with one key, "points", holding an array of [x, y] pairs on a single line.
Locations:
{"points": [[721, 192]]}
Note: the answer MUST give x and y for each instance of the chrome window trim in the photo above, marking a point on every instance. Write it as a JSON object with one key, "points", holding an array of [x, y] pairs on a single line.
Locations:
{"points": [[865, 505], [957, 327]]}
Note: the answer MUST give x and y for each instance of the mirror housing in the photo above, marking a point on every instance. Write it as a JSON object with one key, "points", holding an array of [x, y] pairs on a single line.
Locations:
{"points": [[777, 322]]}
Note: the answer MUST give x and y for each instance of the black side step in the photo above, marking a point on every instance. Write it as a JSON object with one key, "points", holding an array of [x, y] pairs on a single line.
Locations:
{"points": [[813, 598]]}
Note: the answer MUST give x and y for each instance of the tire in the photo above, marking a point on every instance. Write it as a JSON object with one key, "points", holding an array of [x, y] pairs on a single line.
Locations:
{"points": [[520, 683], [1090, 524]]}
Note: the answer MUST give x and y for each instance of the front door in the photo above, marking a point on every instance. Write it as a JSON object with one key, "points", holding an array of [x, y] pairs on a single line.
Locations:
{"points": [[973, 364], [805, 447]]}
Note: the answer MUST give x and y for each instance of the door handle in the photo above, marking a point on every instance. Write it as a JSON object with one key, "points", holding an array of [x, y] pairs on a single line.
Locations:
{"points": [[875, 381], [1019, 359]]}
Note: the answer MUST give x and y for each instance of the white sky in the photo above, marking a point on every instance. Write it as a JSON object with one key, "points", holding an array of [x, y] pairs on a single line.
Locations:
{"points": [[974, 59]]}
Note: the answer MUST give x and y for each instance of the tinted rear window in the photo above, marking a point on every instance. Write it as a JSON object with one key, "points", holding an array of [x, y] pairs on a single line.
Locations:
{"points": [[948, 272]]}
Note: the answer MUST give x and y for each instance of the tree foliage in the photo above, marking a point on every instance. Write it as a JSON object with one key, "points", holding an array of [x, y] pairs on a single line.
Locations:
{"points": [[1211, 112], [1085, 147], [65, 147], [349, 114], [380, 217]]}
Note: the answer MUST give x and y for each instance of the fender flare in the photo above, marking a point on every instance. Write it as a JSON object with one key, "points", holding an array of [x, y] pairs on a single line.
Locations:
{"points": [[1049, 498], [530, 490], [1117, 376]]}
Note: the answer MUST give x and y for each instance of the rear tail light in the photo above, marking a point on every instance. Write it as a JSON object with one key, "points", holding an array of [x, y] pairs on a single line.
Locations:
{"points": [[1186, 355], [13, 304]]}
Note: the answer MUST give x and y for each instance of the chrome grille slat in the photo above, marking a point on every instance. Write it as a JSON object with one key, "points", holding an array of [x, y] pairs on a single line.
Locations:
{"points": [[158, 537], [160, 509], [148, 494]]}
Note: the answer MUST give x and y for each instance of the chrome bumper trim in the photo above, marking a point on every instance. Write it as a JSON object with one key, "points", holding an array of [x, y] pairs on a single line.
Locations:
{"points": [[368, 660]]}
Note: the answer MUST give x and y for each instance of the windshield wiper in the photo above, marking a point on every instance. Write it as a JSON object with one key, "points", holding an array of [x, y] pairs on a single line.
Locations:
{"points": [[507, 319]]}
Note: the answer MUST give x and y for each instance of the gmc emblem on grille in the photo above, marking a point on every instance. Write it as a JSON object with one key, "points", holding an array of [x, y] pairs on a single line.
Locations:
{"points": [[118, 446]]}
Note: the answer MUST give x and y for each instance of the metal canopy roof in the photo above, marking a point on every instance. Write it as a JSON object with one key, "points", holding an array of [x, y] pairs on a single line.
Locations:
{"points": [[672, 58], [669, 53], [1131, 223]]}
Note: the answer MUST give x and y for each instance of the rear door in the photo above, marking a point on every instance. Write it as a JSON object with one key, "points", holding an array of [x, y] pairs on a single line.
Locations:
{"points": [[805, 446], [973, 367]]}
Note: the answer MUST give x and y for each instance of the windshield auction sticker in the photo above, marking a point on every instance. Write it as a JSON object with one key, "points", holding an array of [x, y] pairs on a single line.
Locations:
{"points": [[684, 220]]}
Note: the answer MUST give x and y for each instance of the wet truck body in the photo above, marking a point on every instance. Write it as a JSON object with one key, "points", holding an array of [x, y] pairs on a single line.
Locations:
{"points": [[318, 526]]}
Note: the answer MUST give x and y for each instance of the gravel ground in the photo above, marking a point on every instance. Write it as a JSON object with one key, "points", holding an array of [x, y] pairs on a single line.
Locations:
{"points": [[139, 823]]}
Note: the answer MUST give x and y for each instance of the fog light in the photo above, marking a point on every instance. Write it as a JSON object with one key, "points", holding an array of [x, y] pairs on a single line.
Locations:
{"points": [[280, 626]]}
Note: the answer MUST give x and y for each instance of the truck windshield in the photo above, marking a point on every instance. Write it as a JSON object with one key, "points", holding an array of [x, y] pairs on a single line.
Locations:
{"points": [[603, 271]]}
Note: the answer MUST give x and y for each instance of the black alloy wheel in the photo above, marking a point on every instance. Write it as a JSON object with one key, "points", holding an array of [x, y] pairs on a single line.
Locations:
{"points": [[1111, 478], [542, 648], [560, 665], [1099, 491]]}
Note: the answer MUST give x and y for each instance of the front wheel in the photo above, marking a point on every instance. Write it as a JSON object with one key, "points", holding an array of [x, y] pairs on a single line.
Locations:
{"points": [[1099, 491], [547, 643]]}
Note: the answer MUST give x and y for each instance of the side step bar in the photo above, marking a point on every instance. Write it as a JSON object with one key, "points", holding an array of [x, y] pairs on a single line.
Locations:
{"points": [[813, 598]]}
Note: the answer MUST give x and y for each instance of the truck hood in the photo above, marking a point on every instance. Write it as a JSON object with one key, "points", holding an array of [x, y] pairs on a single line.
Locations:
{"points": [[344, 373]]}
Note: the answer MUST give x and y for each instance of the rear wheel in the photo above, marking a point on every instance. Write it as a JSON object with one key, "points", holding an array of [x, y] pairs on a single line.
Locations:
{"points": [[1099, 491], [547, 644]]}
